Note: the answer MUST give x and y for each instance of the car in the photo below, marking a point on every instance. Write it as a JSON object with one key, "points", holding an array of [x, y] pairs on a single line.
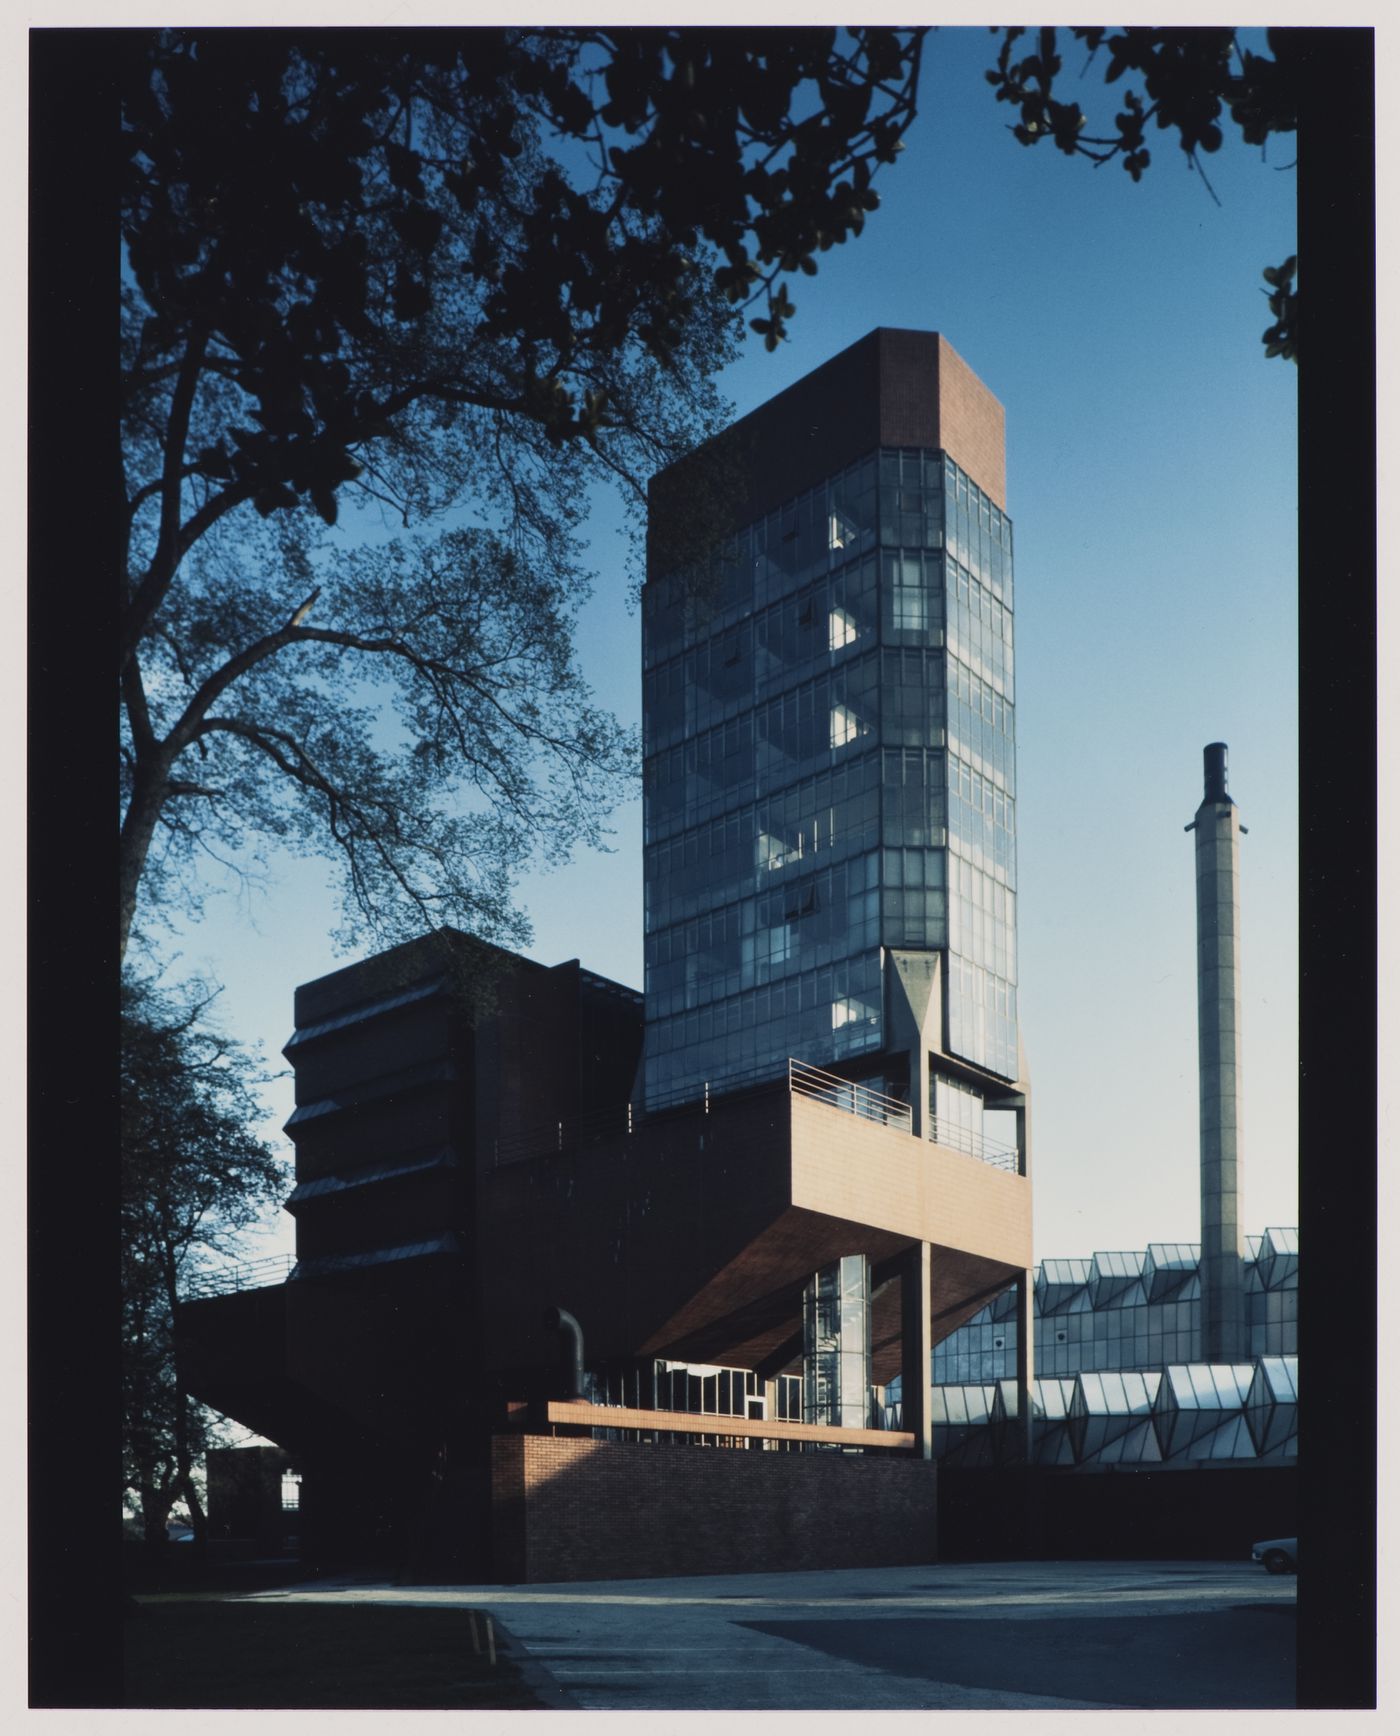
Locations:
{"points": [[1277, 1554]]}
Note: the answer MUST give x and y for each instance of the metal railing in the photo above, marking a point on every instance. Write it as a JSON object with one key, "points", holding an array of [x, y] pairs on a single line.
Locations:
{"points": [[246, 1275], [568, 1133], [989, 1151], [578, 1413], [732, 1085], [846, 1094], [575, 1133]]}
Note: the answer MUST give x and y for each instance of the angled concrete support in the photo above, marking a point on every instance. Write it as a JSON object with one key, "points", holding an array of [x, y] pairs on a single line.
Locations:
{"points": [[914, 1019], [916, 1370]]}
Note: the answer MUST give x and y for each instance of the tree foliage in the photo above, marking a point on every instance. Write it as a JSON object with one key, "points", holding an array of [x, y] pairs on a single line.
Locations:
{"points": [[1183, 81], [407, 274], [193, 1175]]}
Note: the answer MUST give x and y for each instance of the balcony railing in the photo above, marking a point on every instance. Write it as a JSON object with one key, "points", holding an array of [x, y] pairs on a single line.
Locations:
{"points": [[246, 1275], [576, 1132], [579, 1414], [870, 1105], [568, 1133], [990, 1151]]}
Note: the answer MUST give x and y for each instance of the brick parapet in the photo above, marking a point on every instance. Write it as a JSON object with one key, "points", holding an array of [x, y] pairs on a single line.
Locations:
{"points": [[971, 424], [568, 1509], [893, 387]]}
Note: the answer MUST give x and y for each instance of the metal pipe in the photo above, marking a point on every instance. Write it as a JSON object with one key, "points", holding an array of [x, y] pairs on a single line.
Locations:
{"points": [[1217, 777], [560, 1320]]}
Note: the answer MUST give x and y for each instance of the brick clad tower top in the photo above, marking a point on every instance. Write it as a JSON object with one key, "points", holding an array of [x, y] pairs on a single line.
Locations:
{"points": [[890, 388]]}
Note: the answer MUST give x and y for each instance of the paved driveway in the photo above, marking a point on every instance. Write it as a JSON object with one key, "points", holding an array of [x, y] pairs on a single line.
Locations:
{"points": [[979, 1636]]}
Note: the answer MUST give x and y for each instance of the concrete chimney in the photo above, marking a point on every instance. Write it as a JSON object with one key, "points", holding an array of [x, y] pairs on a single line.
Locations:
{"points": [[1224, 1324]]}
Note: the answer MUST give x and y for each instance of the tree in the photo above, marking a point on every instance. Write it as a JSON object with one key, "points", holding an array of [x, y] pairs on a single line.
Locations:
{"points": [[193, 1175], [466, 271], [1184, 80]]}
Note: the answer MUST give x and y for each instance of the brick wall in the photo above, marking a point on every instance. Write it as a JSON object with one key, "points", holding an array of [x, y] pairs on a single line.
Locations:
{"points": [[892, 387], [972, 424], [580, 1509]]}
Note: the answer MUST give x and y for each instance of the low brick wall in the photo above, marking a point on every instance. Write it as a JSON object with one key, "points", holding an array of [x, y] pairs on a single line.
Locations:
{"points": [[566, 1509]]}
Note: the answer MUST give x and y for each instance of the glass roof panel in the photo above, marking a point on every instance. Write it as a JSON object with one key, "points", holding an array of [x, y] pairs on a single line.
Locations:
{"points": [[1134, 1446], [1119, 1264], [953, 1405], [1175, 1254], [1065, 1271], [1230, 1441], [1184, 1393], [1281, 1373], [1053, 1396]]}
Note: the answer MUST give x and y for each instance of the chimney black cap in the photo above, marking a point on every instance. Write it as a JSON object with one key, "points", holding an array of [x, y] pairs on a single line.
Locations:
{"points": [[1217, 773]]}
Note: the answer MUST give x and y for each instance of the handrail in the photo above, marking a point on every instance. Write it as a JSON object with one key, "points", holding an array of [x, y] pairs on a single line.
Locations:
{"points": [[570, 1133], [848, 1095], [245, 1275], [989, 1151], [580, 1414], [565, 1133]]}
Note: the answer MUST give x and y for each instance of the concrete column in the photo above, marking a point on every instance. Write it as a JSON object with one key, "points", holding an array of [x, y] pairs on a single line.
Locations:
{"points": [[1023, 1112], [1224, 1334], [916, 1360], [1025, 1361]]}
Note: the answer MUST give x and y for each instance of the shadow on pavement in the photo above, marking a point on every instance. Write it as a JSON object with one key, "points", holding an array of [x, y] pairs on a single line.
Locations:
{"points": [[1224, 1660]]}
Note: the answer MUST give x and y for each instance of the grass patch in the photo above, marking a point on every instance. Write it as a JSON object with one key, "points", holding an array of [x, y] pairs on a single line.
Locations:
{"points": [[213, 1653]]}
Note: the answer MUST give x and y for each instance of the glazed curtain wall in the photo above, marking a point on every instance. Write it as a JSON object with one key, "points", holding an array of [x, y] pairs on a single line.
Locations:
{"points": [[829, 721]]}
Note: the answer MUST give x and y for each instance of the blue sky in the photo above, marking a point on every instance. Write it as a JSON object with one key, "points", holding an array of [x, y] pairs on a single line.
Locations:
{"points": [[1152, 482]]}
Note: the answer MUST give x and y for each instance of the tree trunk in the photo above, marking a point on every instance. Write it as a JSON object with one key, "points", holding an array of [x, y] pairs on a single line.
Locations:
{"points": [[189, 1431], [138, 829], [199, 1519], [155, 1510]]}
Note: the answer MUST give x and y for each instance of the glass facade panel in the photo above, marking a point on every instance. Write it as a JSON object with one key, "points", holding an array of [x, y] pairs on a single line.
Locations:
{"points": [[829, 720], [1100, 1419], [1116, 1311]]}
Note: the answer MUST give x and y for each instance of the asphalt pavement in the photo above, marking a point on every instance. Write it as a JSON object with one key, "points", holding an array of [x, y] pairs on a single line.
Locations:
{"points": [[986, 1636]]}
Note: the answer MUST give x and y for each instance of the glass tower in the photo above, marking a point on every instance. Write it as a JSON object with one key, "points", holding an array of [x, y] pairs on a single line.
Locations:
{"points": [[829, 718]]}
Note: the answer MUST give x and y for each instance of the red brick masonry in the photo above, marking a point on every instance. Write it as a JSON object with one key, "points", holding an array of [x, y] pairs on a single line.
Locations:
{"points": [[566, 1509]]}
